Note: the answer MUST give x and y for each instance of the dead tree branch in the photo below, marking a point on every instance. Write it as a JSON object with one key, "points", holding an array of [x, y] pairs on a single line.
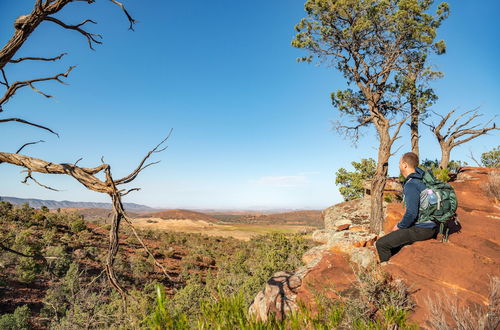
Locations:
{"points": [[458, 130], [11, 90], [19, 120], [46, 59], [86, 176], [91, 37]]}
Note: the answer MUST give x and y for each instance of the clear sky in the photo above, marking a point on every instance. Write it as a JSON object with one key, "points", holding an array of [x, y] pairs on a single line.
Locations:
{"points": [[252, 127]]}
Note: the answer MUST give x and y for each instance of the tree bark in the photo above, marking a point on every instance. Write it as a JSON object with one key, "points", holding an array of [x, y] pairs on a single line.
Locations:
{"points": [[445, 156], [414, 129], [379, 181]]}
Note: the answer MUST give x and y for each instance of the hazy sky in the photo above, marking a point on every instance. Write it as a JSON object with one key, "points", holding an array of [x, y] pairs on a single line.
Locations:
{"points": [[252, 127]]}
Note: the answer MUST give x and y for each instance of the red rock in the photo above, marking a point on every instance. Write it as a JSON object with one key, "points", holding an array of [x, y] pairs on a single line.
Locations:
{"points": [[460, 269], [343, 227], [332, 274]]}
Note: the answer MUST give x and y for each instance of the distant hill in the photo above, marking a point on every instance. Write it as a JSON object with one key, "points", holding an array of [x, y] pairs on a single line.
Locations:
{"points": [[177, 214], [51, 204]]}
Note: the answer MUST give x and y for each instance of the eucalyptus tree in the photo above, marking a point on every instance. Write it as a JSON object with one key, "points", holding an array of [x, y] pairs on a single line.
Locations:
{"points": [[368, 42]]}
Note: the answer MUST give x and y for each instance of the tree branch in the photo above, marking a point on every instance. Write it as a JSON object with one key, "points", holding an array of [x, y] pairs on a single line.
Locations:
{"points": [[130, 19], [139, 168], [91, 37], [19, 120], [20, 84], [27, 144], [28, 58]]}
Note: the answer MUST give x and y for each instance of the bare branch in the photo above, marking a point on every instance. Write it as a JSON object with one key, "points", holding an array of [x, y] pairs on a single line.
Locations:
{"points": [[459, 117], [139, 168], [28, 58], [27, 144], [91, 37], [130, 19], [28, 176], [474, 134], [5, 82], [28, 123], [20, 84], [129, 191], [471, 156], [398, 125]]}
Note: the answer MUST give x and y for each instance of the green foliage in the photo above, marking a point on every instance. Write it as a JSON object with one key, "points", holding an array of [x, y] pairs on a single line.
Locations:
{"points": [[78, 224], [352, 182], [332, 31], [230, 311], [491, 158], [58, 261], [442, 174], [19, 320]]}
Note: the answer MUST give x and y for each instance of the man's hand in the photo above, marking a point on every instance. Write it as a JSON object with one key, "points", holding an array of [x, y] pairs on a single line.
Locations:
{"points": [[395, 227]]}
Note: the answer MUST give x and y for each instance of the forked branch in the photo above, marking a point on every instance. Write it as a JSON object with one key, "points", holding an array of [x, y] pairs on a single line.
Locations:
{"points": [[459, 132]]}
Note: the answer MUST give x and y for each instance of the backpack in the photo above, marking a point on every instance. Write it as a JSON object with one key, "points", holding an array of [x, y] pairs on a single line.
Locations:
{"points": [[438, 203]]}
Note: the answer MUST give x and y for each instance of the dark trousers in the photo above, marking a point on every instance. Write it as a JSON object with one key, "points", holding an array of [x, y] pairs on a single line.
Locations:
{"points": [[390, 244]]}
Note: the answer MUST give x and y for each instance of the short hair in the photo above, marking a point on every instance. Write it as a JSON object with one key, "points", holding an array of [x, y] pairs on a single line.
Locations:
{"points": [[411, 159]]}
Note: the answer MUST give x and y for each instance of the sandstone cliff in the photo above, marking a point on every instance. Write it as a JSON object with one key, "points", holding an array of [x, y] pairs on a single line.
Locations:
{"points": [[444, 278]]}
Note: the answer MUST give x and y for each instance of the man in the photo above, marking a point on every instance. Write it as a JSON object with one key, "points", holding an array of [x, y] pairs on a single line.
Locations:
{"points": [[407, 231]]}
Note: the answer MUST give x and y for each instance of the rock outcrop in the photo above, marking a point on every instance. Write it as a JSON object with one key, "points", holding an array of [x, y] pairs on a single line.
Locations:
{"points": [[457, 272]]}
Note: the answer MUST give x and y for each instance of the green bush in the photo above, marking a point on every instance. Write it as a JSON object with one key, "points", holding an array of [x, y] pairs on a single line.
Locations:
{"points": [[19, 320], [491, 158], [442, 174], [351, 183], [58, 260], [78, 225]]}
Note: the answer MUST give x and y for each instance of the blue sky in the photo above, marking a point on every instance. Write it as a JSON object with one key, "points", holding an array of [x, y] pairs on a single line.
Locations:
{"points": [[252, 127]]}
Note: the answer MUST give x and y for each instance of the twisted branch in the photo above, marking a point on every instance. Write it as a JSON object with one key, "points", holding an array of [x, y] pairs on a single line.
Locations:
{"points": [[91, 37], [11, 90]]}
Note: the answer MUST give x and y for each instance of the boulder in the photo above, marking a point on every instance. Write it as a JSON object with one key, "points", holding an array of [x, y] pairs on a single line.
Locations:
{"points": [[356, 211]]}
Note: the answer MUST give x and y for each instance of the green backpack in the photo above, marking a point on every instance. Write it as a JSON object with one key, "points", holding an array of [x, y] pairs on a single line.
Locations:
{"points": [[438, 203]]}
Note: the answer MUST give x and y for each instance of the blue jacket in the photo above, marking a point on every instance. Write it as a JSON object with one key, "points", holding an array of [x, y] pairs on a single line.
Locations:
{"points": [[413, 186]]}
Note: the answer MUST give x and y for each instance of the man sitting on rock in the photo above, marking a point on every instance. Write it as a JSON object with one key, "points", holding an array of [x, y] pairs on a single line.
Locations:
{"points": [[406, 231]]}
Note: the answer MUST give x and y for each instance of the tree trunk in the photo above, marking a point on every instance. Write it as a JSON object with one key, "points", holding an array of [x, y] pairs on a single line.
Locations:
{"points": [[445, 156], [414, 129], [378, 182]]}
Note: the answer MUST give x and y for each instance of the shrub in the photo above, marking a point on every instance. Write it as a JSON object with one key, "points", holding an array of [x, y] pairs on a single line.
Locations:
{"points": [[491, 158], [59, 260], [78, 225], [492, 186], [17, 320], [442, 174], [351, 183]]}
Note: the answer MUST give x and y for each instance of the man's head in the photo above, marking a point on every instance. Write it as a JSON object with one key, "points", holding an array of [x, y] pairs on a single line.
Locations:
{"points": [[408, 163]]}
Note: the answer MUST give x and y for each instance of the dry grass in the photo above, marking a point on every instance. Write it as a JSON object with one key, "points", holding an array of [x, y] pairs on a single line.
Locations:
{"points": [[448, 315], [239, 231], [492, 187]]}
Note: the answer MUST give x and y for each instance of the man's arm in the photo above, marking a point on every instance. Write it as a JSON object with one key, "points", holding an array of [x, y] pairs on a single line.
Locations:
{"points": [[412, 200]]}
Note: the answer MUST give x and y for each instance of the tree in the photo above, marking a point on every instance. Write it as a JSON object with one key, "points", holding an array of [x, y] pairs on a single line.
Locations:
{"points": [[44, 11], [368, 42], [465, 130], [414, 84], [491, 158], [352, 182]]}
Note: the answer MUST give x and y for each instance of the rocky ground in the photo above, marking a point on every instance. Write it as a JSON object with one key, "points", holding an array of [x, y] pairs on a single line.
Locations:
{"points": [[454, 281]]}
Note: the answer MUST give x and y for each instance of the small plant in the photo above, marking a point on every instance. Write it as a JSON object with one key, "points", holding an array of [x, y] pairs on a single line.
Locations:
{"points": [[78, 225], [492, 186], [19, 320], [442, 174]]}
